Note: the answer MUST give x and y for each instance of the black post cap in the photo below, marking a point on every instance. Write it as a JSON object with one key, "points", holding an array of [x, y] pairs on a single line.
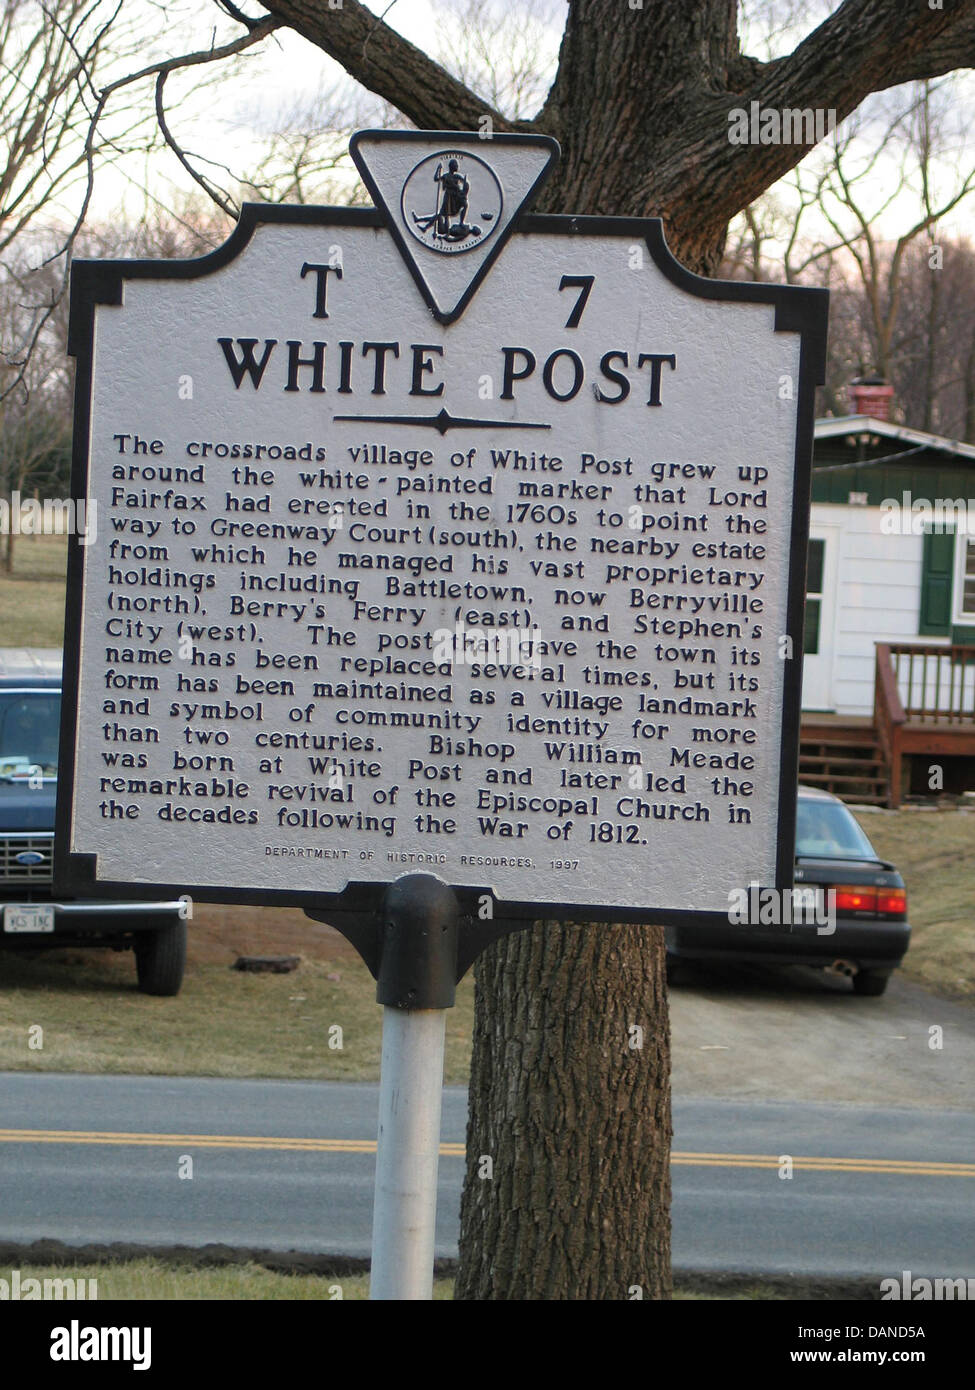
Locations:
{"points": [[418, 961]]}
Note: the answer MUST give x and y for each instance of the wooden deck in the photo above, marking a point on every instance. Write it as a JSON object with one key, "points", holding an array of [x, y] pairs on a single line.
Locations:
{"points": [[924, 719], [842, 754], [852, 723], [924, 708]]}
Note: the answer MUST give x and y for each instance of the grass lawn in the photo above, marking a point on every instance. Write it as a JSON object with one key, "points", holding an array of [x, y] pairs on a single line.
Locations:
{"points": [[224, 1022], [32, 598], [935, 852], [152, 1279], [156, 1279]]}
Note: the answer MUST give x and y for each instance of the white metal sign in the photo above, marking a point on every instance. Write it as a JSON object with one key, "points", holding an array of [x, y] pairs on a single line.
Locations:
{"points": [[438, 536]]}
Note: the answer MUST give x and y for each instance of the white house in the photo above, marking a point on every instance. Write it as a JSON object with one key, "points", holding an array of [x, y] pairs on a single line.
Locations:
{"points": [[889, 649]]}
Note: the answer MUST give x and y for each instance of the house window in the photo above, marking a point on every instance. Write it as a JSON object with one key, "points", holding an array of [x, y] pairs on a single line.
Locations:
{"points": [[814, 596]]}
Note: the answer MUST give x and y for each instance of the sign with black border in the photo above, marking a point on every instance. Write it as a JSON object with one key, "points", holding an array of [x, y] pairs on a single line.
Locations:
{"points": [[450, 290]]}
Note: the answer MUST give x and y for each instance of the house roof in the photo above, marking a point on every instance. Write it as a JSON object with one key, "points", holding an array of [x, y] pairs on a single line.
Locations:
{"points": [[835, 427]]}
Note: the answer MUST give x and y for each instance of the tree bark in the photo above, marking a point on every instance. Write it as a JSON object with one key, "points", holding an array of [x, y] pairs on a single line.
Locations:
{"points": [[570, 1102]]}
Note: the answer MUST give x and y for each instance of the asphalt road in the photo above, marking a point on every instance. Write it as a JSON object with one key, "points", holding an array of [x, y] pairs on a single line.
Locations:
{"points": [[289, 1165], [754, 1033]]}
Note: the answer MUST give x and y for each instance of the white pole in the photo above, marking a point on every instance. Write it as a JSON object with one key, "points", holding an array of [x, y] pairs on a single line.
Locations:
{"points": [[405, 1208]]}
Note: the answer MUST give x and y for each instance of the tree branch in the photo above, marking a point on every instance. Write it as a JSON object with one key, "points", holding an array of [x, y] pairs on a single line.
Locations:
{"points": [[157, 70], [953, 49], [221, 198], [230, 8], [204, 55], [939, 55], [863, 47], [389, 65]]}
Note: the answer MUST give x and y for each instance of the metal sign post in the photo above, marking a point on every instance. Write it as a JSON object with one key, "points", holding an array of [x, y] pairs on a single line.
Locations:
{"points": [[415, 987], [405, 1207]]}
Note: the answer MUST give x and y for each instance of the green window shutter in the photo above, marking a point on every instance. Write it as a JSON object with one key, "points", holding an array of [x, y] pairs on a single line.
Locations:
{"points": [[937, 574]]}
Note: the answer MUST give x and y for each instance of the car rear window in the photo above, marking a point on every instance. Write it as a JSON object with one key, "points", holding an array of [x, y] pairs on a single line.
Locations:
{"points": [[827, 830], [29, 733]]}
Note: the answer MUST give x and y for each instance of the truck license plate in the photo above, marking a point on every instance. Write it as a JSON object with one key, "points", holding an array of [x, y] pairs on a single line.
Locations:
{"points": [[28, 917]]}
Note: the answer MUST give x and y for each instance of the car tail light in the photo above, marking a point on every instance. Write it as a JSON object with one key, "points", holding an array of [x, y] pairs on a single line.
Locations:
{"points": [[855, 898], [891, 902], [879, 902]]}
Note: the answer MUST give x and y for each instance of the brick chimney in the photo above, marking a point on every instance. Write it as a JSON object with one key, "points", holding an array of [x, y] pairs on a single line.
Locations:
{"points": [[871, 395]]}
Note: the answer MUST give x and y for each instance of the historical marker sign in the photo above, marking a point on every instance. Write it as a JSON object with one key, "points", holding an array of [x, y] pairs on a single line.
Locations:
{"points": [[438, 537]]}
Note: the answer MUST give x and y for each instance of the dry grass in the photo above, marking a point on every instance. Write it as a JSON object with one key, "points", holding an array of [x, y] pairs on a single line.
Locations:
{"points": [[150, 1280], [935, 852], [224, 1022], [32, 598]]}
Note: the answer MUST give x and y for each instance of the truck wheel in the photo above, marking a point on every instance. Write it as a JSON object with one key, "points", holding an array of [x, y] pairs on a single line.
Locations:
{"points": [[870, 982], [160, 959]]}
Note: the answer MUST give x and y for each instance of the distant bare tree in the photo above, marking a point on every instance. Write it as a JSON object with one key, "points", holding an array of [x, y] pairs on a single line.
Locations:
{"points": [[72, 99], [306, 148], [898, 157], [35, 396]]}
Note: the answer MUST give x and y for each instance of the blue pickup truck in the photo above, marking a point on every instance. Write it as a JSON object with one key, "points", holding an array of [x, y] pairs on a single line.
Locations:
{"points": [[33, 919]]}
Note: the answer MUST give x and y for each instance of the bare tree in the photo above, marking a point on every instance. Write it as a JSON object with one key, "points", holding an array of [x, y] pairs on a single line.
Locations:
{"points": [[508, 55], [932, 353], [35, 396], [900, 159], [306, 153], [73, 100], [854, 222], [48, 58]]}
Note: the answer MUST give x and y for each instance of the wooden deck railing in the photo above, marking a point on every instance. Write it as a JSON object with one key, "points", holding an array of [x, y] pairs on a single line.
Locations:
{"points": [[918, 683], [934, 683], [889, 718]]}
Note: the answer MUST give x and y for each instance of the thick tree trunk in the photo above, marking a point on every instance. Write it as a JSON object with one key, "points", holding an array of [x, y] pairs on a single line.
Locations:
{"points": [[573, 1115], [570, 1103]]}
